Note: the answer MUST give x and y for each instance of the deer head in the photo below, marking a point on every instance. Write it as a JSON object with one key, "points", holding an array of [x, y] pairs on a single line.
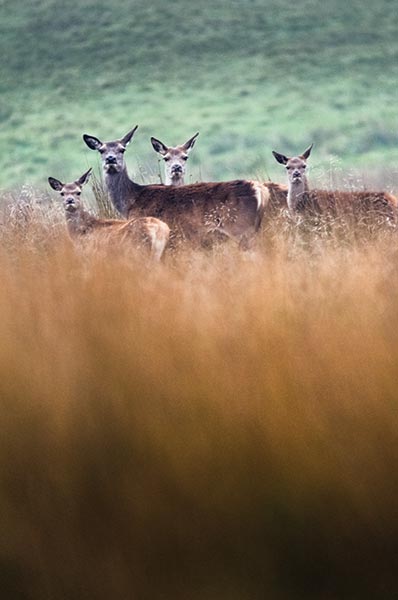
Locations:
{"points": [[111, 152], [295, 165], [175, 158], [70, 192]]}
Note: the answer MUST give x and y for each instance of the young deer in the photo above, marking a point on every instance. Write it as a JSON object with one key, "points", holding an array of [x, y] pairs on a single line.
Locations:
{"points": [[360, 204], [148, 233], [175, 159], [232, 208]]}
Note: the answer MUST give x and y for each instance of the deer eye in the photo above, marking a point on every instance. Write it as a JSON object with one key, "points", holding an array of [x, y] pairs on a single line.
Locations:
{"points": [[62, 193], [184, 157], [78, 193], [167, 158]]}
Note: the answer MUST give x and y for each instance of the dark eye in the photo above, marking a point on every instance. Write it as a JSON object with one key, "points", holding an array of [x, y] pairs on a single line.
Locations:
{"points": [[62, 193], [184, 157], [78, 193], [122, 150], [101, 150], [167, 158], [304, 166]]}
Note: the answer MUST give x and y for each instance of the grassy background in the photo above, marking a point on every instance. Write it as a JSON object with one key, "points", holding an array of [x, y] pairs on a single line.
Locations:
{"points": [[250, 76]]}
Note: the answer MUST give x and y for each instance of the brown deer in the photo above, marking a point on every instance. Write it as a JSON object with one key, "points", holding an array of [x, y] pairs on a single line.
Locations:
{"points": [[146, 233], [232, 208], [376, 205], [175, 158]]}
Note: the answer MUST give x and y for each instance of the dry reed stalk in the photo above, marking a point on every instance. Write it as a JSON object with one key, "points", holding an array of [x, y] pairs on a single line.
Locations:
{"points": [[221, 426]]}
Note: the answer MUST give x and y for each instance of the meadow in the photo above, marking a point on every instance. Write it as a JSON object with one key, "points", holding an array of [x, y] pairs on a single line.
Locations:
{"points": [[222, 425], [251, 76]]}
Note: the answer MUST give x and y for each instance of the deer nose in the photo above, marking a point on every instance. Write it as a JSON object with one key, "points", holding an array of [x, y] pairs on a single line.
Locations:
{"points": [[176, 168], [110, 159], [70, 201]]}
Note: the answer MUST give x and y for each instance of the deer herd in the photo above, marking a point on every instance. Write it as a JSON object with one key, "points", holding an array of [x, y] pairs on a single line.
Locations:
{"points": [[153, 214]]}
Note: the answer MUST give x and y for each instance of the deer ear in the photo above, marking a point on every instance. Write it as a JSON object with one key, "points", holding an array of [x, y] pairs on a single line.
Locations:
{"points": [[55, 184], [92, 142], [158, 146], [127, 138], [190, 143], [84, 178], [281, 158], [307, 152]]}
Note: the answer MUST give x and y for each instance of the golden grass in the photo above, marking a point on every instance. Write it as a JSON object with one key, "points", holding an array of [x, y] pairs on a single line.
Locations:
{"points": [[222, 426]]}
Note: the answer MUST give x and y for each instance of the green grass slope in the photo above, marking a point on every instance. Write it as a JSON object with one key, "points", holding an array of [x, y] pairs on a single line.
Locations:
{"points": [[249, 75]]}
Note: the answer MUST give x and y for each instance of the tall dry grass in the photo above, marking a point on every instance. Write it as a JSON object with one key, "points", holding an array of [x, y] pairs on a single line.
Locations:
{"points": [[222, 426]]}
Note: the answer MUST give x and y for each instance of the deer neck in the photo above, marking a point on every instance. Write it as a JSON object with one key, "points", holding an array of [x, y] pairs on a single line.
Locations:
{"points": [[122, 190], [297, 192], [79, 222]]}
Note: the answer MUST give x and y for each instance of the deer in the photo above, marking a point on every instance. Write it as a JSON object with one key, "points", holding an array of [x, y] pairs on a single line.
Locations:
{"points": [[175, 158], [145, 233], [193, 212], [360, 204]]}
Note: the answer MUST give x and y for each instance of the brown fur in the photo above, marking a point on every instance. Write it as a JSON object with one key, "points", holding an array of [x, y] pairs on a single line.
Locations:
{"points": [[199, 209], [357, 204], [232, 208], [277, 196]]}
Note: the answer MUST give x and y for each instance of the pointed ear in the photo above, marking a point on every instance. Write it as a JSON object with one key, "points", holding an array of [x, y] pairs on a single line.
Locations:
{"points": [[158, 146], [307, 152], [127, 138], [92, 142], [190, 143], [84, 178], [281, 158], [55, 184]]}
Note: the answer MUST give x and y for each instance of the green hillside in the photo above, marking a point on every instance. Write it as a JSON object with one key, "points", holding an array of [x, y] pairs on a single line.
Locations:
{"points": [[249, 75]]}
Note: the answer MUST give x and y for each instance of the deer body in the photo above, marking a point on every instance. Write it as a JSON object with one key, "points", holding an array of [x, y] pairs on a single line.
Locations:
{"points": [[142, 233], [233, 208], [359, 204], [175, 158], [277, 196]]}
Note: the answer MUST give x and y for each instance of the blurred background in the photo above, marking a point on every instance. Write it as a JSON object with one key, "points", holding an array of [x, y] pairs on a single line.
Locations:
{"points": [[251, 76]]}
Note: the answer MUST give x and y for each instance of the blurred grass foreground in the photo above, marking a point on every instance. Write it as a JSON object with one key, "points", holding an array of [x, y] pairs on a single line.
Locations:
{"points": [[221, 426]]}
